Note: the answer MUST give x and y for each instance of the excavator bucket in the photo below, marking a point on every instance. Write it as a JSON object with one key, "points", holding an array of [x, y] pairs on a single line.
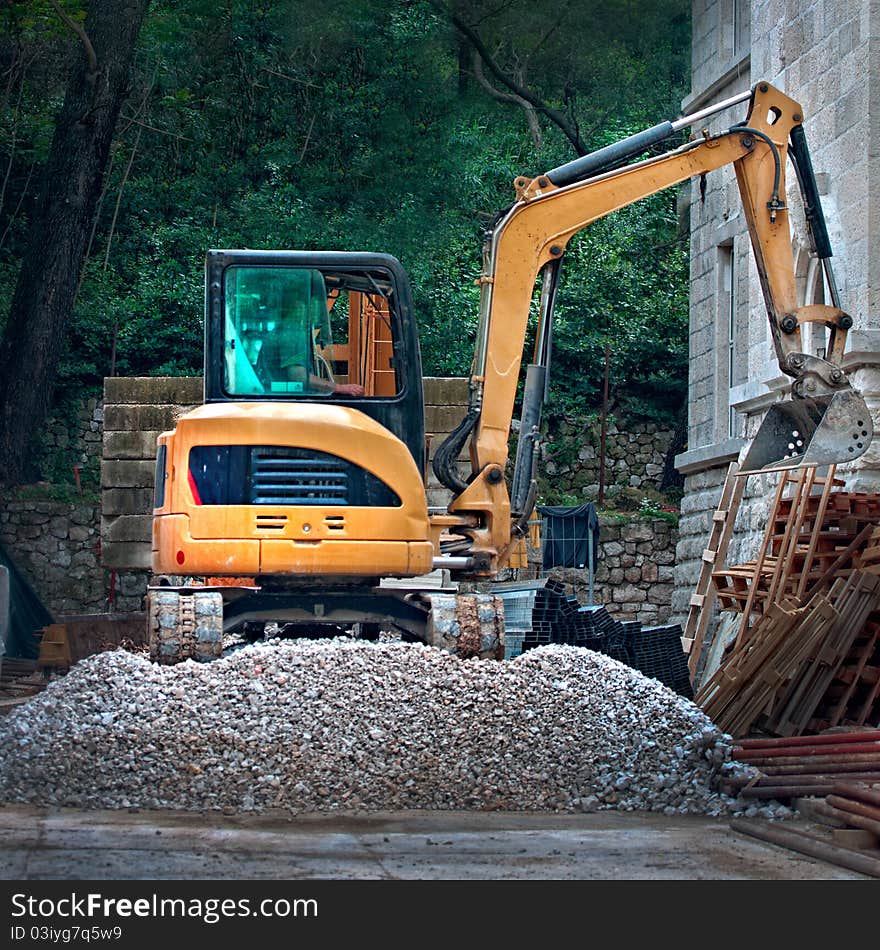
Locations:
{"points": [[798, 433]]}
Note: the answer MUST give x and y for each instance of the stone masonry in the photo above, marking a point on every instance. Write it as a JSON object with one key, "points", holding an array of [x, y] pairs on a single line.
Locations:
{"points": [[634, 571], [56, 545], [635, 455]]}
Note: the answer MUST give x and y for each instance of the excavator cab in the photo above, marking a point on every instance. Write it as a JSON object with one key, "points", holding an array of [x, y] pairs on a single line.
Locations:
{"points": [[332, 328]]}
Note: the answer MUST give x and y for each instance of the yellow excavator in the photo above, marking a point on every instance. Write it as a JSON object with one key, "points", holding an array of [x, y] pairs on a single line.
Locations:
{"points": [[301, 482]]}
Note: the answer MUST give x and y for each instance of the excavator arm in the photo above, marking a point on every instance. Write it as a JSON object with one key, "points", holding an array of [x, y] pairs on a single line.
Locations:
{"points": [[825, 421]]}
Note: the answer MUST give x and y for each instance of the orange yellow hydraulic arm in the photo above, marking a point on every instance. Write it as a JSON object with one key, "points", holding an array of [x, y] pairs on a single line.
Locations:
{"points": [[530, 240]]}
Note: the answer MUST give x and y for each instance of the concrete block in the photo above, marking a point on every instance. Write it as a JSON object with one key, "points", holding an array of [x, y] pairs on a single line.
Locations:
{"points": [[127, 501], [130, 556], [856, 838], [154, 390], [437, 438], [127, 473], [127, 528], [438, 497], [134, 444], [443, 418], [126, 418], [445, 390]]}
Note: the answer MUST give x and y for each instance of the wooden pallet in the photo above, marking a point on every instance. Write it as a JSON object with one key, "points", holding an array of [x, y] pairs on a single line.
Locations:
{"points": [[803, 541], [781, 674], [853, 696], [827, 562], [747, 681], [868, 557], [807, 651]]}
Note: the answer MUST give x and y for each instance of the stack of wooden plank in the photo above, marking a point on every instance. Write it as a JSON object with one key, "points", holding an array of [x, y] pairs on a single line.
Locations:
{"points": [[780, 671]]}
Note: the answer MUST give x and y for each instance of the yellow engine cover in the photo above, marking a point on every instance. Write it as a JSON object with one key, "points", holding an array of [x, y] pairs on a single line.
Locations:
{"points": [[320, 538]]}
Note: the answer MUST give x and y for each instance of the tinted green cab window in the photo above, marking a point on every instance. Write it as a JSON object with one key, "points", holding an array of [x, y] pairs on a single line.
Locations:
{"points": [[277, 335]]}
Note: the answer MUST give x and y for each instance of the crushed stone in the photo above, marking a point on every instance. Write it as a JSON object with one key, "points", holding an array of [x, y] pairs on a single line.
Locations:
{"points": [[309, 725]]}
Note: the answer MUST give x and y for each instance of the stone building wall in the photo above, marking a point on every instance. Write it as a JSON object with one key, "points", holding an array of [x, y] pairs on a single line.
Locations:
{"points": [[825, 55]]}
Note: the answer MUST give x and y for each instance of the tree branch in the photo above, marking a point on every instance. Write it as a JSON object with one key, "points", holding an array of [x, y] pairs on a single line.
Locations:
{"points": [[275, 72], [14, 214], [551, 29], [557, 117], [527, 107], [81, 33], [125, 175], [131, 120]]}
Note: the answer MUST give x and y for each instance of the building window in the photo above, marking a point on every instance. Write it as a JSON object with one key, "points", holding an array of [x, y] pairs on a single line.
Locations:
{"points": [[741, 27], [726, 330]]}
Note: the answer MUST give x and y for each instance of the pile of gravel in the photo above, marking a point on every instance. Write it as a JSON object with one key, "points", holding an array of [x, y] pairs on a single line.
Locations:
{"points": [[304, 725]]}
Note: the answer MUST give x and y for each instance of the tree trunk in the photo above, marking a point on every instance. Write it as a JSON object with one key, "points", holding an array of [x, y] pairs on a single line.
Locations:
{"points": [[59, 232], [672, 477]]}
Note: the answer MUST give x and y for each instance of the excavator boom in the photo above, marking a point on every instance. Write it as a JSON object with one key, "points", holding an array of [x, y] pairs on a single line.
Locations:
{"points": [[824, 421]]}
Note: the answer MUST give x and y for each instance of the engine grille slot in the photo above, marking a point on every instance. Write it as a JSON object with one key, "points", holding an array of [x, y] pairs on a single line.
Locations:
{"points": [[290, 477], [271, 522], [335, 522], [283, 475]]}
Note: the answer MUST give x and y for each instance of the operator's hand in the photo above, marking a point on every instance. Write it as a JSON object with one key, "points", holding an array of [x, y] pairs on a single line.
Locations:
{"points": [[349, 389]]}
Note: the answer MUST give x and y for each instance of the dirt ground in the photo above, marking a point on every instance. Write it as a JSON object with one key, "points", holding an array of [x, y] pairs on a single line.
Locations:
{"points": [[68, 844]]}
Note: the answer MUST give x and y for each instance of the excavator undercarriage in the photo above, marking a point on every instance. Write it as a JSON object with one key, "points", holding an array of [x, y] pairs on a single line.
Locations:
{"points": [[199, 624]]}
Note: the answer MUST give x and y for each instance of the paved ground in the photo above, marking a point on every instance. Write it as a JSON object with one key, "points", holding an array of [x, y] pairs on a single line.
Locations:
{"points": [[66, 844]]}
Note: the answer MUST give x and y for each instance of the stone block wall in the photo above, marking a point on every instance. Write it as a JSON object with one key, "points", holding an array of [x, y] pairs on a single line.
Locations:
{"points": [[57, 547], [701, 497], [136, 411], [635, 454], [446, 401], [822, 53], [77, 439], [634, 572]]}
